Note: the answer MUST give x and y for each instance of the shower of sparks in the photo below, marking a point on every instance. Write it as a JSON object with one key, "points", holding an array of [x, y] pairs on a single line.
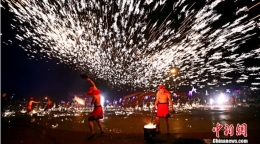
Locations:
{"points": [[137, 42]]}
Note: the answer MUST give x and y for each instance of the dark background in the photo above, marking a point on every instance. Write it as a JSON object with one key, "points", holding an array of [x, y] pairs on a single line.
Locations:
{"points": [[24, 77]]}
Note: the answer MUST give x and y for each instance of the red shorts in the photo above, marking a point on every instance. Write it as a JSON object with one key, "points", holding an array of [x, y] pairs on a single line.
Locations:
{"points": [[162, 110], [96, 114], [49, 106], [29, 108]]}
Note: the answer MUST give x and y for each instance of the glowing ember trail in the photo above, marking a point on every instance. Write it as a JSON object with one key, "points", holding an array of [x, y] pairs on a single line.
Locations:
{"points": [[137, 42], [79, 100]]}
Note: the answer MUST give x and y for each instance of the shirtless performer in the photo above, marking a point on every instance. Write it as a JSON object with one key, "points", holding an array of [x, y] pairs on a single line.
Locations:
{"points": [[31, 101], [97, 113], [163, 98]]}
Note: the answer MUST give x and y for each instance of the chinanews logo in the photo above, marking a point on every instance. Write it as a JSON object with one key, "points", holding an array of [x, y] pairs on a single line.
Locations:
{"points": [[241, 129]]}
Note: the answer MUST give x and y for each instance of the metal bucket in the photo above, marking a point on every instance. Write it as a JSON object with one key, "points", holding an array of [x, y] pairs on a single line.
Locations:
{"points": [[149, 133]]}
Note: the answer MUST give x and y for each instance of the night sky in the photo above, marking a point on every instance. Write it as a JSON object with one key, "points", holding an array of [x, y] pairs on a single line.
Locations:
{"points": [[25, 77], [29, 77], [41, 77]]}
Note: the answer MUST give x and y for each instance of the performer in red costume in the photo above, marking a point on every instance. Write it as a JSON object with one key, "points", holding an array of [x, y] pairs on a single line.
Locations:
{"points": [[29, 106], [234, 102], [97, 113], [163, 98], [49, 104]]}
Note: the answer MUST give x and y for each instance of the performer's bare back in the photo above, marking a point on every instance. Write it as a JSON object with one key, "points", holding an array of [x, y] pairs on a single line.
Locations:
{"points": [[96, 100]]}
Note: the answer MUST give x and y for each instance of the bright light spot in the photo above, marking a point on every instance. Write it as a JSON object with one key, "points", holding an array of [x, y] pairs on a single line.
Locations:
{"points": [[221, 99], [211, 101], [102, 100], [173, 71]]}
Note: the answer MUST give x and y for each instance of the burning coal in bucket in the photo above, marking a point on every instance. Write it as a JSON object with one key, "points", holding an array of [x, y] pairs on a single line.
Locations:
{"points": [[150, 126], [149, 131]]}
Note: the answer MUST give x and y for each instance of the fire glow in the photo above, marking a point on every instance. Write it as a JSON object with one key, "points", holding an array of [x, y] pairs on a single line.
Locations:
{"points": [[150, 126], [79, 100]]}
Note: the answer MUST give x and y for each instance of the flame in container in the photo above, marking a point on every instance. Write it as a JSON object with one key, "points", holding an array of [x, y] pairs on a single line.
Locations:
{"points": [[150, 126]]}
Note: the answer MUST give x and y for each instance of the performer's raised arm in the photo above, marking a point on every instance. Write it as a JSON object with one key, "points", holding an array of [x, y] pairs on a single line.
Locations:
{"points": [[93, 84], [35, 101]]}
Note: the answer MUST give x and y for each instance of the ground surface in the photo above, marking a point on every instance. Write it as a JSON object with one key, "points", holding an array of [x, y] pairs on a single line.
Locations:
{"points": [[197, 124]]}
